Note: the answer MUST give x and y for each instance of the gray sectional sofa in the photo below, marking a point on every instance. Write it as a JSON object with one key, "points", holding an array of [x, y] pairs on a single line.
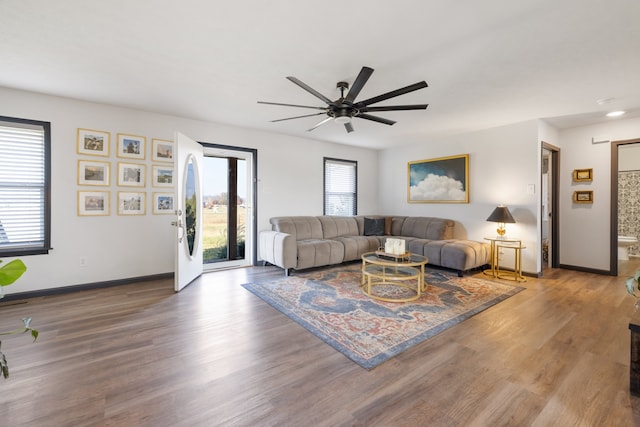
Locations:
{"points": [[301, 242]]}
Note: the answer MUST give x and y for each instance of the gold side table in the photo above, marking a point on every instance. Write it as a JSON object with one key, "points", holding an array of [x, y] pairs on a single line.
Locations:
{"points": [[498, 243]]}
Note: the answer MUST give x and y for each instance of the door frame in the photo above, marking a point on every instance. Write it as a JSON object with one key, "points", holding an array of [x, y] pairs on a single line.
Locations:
{"points": [[554, 166], [613, 232], [254, 197]]}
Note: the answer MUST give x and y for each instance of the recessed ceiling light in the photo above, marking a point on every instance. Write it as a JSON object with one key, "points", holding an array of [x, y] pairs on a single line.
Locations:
{"points": [[615, 113]]}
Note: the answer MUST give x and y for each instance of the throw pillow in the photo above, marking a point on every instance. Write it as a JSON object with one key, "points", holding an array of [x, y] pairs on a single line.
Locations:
{"points": [[387, 225], [373, 226]]}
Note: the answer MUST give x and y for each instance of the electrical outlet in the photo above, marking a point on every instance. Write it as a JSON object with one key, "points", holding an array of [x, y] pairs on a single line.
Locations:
{"points": [[83, 261]]}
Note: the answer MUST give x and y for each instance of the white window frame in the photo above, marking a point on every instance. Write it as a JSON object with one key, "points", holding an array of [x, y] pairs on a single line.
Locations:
{"points": [[335, 187]]}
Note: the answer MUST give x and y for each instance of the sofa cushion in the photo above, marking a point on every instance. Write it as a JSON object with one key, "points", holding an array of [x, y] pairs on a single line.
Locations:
{"points": [[335, 226], [316, 253], [373, 226], [355, 246], [301, 227], [428, 228]]}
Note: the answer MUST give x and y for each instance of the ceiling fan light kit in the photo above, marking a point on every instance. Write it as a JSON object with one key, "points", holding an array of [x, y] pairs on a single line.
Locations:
{"points": [[346, 108]]}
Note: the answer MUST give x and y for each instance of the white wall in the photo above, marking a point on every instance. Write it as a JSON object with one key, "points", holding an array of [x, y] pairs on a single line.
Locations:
{"points": [[503, 162], [115, 247], [585, 228]]}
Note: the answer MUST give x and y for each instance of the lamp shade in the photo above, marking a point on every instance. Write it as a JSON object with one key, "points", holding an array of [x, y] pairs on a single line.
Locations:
{"points": [[501, 214]]}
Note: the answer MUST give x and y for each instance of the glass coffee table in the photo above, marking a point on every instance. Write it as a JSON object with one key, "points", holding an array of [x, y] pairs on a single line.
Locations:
{"points": [[396, 278]]}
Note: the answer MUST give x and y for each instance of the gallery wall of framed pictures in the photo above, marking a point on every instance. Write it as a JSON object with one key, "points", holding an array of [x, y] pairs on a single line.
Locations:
{"points": [[135, 176]]}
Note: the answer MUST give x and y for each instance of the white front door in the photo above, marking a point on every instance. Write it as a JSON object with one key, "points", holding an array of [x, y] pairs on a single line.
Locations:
{"points": [[188, 167]]}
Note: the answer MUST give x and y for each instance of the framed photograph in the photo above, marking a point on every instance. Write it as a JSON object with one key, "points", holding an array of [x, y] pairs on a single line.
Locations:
{"points": [[93, 142], [161, 150], [93, 203], [131, 174], [162, 176], [163, 203], [583, 175], [131, 203], [131, 146], [583, 196], [93, 173], [441, 180]]}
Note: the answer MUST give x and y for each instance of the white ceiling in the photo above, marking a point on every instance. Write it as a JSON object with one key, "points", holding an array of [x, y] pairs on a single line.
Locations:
{"points": [[487, 63]]}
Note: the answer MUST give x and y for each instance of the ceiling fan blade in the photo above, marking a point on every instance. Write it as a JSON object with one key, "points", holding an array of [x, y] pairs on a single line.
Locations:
{"points": [[393, 93], [349, 127], [395, 108], [296, 117], [309, 89], [291, 105], [358, 84], [376, 119], [320, 124]]}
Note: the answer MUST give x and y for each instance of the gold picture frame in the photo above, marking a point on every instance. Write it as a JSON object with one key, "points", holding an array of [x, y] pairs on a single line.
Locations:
{"points": [[94, 203], [161, 150], [131, 146], [93, 142], [162, 176], [440, 180], [163, 203], [132, 203], [583, 175], [93, 173], [585, 196], [131, 174]]}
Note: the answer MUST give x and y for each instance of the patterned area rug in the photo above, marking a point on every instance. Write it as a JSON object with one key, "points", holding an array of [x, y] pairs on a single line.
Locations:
{"points": [[330, 304]]}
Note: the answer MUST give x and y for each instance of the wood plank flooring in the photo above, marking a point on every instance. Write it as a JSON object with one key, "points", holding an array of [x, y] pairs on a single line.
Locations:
{"points": [[556, 354]]}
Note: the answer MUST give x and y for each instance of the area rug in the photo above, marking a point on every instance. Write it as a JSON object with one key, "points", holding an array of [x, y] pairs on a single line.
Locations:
{"points": [[331, 305]]}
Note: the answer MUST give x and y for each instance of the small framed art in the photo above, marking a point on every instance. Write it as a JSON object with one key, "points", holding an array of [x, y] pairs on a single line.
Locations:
{"points": [[583, 196], [131, 174], [93, 142], [583, 175], [93, 203], [163, 203], [162, 176], [131, 203], [131, 146], [93, 173], [161, 150]]}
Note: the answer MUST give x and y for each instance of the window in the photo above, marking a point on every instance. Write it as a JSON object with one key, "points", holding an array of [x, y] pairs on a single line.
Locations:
{"points": [[25, 212], [340, 187]]}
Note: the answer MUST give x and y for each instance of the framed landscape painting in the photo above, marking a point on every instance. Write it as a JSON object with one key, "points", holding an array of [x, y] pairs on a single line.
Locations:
{"points": [[93, 142], [93, 203], [93, 173], [161, 150], [131, 146], [131, 174], [131, 203], [440, 180], [163, 203], [162, 176]]}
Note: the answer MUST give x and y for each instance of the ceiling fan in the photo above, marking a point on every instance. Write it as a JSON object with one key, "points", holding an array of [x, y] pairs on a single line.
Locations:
{"points": [[346, 108]]}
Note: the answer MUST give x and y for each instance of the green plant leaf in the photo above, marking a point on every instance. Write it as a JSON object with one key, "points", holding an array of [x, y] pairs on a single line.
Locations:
{"points": [[630, 283], [11, 272]]}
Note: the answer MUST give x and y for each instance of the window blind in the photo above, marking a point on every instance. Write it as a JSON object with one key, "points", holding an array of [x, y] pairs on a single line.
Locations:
{"points": [[340, 187], [23, 186]]}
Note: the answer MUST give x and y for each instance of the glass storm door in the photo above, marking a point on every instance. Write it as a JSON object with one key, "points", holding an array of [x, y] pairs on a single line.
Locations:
{"points": [[226, 208]]}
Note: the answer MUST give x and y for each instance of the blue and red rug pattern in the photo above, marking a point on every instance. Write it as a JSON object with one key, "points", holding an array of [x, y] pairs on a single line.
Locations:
{"points": [[330, 304]]}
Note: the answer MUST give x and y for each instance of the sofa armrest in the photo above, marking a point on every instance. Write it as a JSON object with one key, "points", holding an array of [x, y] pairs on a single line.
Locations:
{"points": [[278, 249]]}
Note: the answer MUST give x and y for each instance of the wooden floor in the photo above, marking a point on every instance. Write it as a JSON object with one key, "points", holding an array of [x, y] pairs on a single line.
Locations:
{"points": [[556, 354]]}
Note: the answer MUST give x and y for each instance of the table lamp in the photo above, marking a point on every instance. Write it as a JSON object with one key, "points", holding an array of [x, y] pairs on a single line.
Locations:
{"points": [[501, 215]]}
